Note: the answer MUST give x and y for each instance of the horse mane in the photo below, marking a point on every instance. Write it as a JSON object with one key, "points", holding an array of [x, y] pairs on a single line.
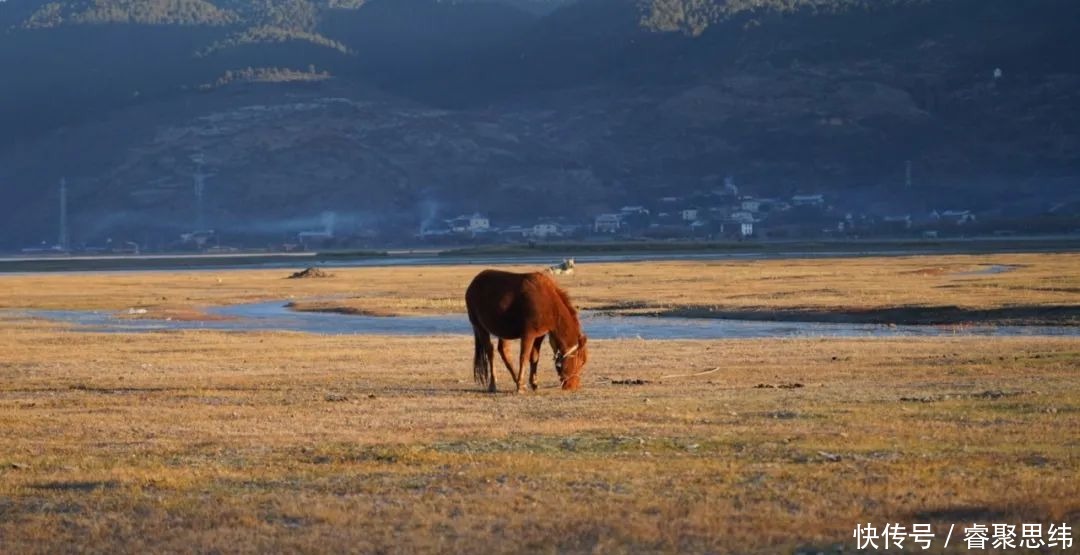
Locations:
{"points": [[550, 283], [565, 299]]}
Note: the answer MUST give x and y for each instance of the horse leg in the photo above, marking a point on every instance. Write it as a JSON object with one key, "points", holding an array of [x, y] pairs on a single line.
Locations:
{"points": [[526, 354], [534, 361], [504, 352], [490, 350]]}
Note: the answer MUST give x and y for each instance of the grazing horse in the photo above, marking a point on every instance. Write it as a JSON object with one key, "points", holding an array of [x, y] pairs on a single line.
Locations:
{"points": [[566, 267], [526, 307]]}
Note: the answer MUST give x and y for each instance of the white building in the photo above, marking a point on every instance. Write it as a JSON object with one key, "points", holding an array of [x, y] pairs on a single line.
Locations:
{"points": [[808, 200], [607, 223], [478, 223], [958, 217], [742, 217], [468, 224], [750, 204], [544, 229]]}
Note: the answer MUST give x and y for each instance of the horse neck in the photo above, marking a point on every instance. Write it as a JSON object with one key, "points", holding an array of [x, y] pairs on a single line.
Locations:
{"points": [[567, 328]]}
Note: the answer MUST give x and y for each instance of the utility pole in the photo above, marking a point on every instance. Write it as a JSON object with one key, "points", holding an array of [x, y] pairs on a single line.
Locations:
{"points": [[200, 191], [63, 240]]}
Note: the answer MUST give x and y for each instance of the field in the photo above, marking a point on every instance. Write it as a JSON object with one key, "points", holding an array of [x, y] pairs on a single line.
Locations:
{"points": [[252, 442]]}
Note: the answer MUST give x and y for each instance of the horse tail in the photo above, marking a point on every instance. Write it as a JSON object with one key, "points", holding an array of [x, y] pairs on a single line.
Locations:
{"points": [[481, 358], [482, 371]]}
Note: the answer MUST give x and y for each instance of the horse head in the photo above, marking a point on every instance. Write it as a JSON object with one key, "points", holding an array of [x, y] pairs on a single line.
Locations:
{"points": [[571, 363]]}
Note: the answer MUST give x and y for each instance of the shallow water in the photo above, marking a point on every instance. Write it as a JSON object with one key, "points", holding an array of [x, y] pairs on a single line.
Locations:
{"points": [[991, 270], [275, 316]]}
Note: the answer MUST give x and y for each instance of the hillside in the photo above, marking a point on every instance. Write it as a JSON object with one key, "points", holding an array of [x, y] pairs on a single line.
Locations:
{"points": [[394, 111]]}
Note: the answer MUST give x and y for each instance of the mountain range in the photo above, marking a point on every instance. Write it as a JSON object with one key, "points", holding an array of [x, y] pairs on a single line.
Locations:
{"points": [[393, 112]]}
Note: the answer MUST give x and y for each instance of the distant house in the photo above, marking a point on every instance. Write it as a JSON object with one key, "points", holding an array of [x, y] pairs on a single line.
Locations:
{"points": [[957, 217], [478, 223], [750, 204], [690, 214], [468, 224], [634, 210], [544, 229], [735, 230], [201, 238], [808, 200], [903, 222], [742, 217], [607, 223], [459, 224]]}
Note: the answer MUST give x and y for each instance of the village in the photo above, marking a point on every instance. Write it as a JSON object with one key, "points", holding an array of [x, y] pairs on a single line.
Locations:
{"points": [[719, 214], [722, 213]]}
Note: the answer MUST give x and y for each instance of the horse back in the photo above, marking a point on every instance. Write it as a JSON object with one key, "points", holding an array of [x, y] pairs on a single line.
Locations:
{"points": [[507, 303]]}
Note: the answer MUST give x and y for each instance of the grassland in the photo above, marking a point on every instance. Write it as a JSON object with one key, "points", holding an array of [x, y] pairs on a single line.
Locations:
{"points": [[1003, 288], [256, 442]]}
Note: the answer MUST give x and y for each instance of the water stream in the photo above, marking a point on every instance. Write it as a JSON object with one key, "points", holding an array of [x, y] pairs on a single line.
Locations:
{"points": [[275, 316]]}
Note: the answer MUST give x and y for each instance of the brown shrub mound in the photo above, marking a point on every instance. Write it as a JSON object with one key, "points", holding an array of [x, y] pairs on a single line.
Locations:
{"points": [[311, 273]]}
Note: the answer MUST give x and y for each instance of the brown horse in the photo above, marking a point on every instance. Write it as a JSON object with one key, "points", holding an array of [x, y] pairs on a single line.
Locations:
{"points": [[526, 307]]}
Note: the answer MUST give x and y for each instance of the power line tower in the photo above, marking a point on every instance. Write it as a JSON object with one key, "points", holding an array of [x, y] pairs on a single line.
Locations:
{"points": [[63, 240]]}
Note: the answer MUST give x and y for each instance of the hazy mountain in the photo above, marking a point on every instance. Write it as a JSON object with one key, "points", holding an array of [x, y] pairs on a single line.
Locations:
{"points": [[523, 108]]}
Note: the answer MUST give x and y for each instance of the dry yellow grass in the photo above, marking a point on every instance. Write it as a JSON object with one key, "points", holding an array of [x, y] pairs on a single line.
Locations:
{"points": [[1033, 281], [853, 284], [243, 442], [256, 442]]}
